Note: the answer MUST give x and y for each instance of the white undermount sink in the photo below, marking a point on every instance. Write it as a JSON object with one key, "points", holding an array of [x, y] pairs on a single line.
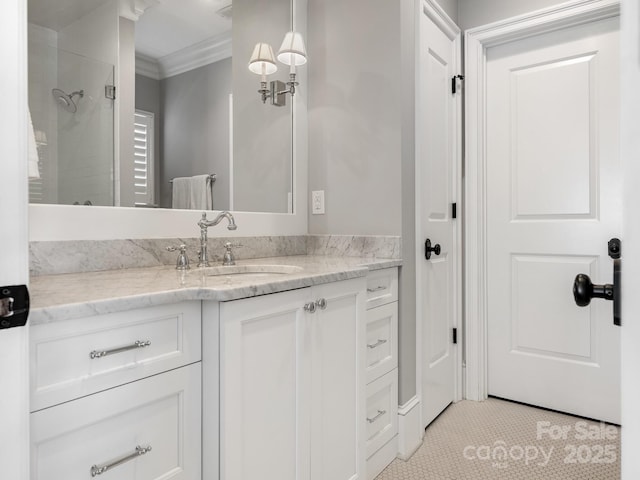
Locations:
{"points": [[254, 270]]}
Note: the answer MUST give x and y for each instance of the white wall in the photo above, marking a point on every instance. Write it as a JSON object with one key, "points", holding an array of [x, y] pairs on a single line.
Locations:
{"points": [[354, 115]]}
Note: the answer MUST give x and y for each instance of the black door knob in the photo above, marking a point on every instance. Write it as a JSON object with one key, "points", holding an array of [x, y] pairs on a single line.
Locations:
{"points": [[428, 249], [584, 290]]}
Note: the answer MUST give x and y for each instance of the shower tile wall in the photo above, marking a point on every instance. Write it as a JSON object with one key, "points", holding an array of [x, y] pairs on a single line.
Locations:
{"points": [[85, 138], [75, 149]]}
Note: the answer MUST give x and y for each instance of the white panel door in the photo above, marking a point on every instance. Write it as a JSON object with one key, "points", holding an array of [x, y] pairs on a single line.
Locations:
{"points": [[554, 200], [14, 258], [436, 170]]}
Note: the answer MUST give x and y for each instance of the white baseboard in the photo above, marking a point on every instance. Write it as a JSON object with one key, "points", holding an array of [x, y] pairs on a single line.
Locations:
{"points": [[410, 433]]}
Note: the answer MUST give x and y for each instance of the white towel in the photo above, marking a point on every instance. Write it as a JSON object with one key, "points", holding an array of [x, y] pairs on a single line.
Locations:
{"points": [[34, 171], [181, 197], [201, 197]]}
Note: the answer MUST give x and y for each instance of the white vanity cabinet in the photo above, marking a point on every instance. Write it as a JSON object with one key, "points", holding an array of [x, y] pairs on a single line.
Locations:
{"points": [[118, 396], [292, 384], [381, 370]]}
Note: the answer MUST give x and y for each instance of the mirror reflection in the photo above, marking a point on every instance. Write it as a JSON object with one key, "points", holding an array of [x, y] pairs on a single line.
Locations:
{"points": [[155, 106]]}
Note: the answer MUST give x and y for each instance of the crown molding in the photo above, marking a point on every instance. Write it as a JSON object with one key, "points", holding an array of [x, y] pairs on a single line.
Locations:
{"points": [[147, 67], [133, 9], [198, 55], [195, 56]]}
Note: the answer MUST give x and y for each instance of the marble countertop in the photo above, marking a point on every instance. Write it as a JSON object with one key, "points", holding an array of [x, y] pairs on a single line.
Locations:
{"points": [[77, 295]]}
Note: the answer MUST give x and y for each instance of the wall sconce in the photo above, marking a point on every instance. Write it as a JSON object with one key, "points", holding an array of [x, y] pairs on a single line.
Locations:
{"points": [[293, 53], [263, 63]]}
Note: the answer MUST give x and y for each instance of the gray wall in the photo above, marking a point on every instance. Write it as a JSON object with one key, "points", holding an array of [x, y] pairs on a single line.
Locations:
{"points": [[407, 293], [354, 115], [195, 129], [451, 8], [361, 134], [148, 99], [126, 98], [361, 126], [262, 143], [473, 13]]}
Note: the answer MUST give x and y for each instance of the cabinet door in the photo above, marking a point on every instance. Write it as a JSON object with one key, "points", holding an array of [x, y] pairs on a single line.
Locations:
{"points": [[338, 383], [145, 430], [265, 367]]}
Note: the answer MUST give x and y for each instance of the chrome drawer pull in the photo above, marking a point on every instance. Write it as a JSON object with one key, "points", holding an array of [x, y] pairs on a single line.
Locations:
{"points": [[377, 344], [104, 353], [380, 413], [100, 469], [310, 307], [321, 303], [376, 289]]}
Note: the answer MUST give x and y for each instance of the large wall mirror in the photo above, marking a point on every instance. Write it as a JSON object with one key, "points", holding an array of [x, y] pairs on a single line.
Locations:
{"points": [[200, 137]]}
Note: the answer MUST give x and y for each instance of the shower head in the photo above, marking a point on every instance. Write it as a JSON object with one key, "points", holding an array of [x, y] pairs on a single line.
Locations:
{"points": [[66, 100]]}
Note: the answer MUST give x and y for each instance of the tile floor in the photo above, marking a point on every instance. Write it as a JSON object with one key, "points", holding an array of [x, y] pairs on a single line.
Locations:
{"points": [[502, 440]]}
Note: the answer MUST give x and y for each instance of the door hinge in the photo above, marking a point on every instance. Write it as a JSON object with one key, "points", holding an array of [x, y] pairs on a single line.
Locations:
{"points": [[454, 83], [455, 336], [454, 210], [110, 92]]}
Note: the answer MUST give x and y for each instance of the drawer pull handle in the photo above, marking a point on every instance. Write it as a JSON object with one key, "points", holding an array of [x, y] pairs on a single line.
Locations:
{"points": [[376, 289], [100, 469], [377, 344], [380, 413], [104, 353], [321, 303]]}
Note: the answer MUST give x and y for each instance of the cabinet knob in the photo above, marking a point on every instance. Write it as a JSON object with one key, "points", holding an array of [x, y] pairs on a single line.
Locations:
{"points": [[310, 307], [321, 303]]}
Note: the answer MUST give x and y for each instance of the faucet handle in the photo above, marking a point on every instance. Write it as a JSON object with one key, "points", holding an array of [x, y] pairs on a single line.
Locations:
{"points": [[182, 263], [229, 258]]}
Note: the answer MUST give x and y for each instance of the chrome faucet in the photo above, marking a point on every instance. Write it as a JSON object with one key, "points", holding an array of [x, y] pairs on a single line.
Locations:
{"points": [[204, 224]]}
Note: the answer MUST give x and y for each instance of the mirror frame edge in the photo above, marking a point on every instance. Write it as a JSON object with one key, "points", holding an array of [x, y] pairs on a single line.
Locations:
{"points": [[77, 222]]}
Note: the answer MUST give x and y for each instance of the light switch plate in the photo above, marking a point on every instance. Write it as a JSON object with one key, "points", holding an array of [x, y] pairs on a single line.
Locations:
{"points": [[317, 202]]}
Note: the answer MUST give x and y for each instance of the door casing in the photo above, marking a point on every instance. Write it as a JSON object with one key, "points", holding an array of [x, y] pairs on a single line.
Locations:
{"points": [[477, 41]]}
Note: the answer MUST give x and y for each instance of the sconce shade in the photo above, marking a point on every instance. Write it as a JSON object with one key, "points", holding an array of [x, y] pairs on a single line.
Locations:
{"points": [[262, 60], [292, 51]]}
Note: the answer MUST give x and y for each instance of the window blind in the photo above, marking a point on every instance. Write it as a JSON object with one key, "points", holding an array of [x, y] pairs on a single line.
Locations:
{"points": [[143, 159]]}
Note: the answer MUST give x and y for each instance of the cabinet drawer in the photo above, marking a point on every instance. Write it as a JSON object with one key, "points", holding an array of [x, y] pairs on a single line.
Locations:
{"points": [[382, 340], [382, 287], [382, 411], [79, 357], [161, 412]]}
